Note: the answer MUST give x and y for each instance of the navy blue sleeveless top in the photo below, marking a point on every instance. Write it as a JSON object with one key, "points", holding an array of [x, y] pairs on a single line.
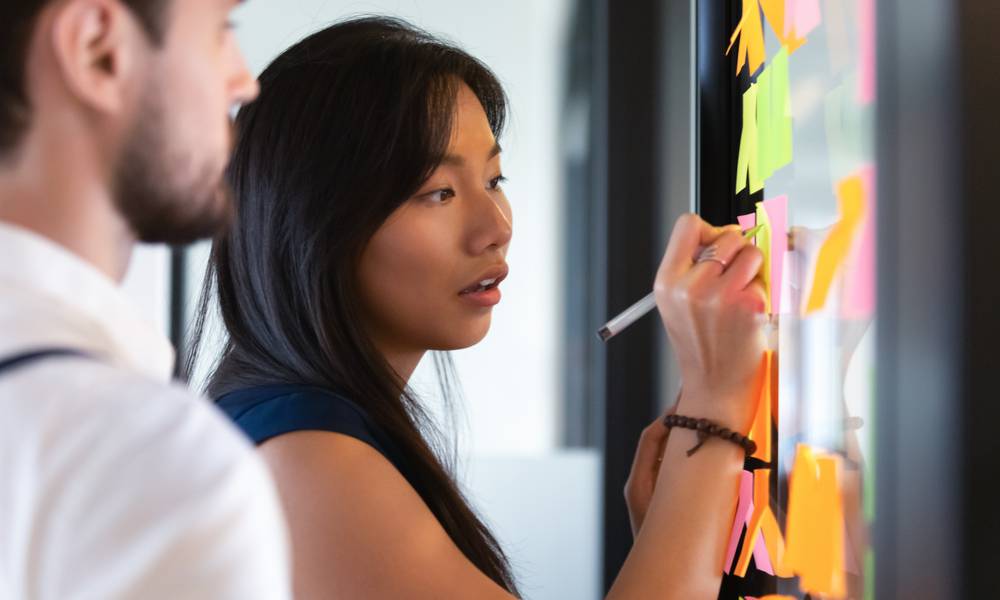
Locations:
{"points": [[267, 411]]}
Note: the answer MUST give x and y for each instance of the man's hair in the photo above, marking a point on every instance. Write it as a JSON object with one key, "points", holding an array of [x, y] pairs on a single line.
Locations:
{"points": [[17, 23]]}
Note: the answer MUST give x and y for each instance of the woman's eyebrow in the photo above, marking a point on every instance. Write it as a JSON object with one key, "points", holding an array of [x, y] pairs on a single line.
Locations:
{"points": [[455, 160]]}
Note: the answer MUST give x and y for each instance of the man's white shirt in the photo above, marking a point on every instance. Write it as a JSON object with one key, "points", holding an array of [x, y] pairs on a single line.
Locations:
{"points": [[115, 483]]}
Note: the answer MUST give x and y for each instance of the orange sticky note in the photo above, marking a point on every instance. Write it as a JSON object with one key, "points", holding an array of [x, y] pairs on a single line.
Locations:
{"points": [[815, 541], [751, 34], [837, 246], [760, 431]]}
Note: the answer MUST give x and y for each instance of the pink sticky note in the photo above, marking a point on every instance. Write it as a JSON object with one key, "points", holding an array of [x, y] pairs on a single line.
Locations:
{"points": [[859, 296], [866, 51], [747, 221], [760, 556], [744, 508], [802, 16], [777, 214]]}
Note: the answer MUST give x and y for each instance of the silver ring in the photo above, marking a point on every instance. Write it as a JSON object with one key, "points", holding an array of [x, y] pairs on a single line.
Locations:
{"points": [[711, 254], [705, 259]]}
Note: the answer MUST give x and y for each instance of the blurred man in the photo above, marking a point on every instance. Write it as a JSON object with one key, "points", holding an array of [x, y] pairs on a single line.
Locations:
{"points": [[114, 483]]}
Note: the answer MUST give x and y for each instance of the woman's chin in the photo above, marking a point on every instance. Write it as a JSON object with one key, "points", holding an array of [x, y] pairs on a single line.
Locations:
{"points": [[464, 338]]}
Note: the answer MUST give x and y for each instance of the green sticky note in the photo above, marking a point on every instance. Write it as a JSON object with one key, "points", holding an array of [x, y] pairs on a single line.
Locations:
{"points": [[748, 162], [781, 110], [765, 124]]}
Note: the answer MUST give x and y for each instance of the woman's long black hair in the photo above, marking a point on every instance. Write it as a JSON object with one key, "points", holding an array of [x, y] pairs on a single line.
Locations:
{"points": [[348, 125]]}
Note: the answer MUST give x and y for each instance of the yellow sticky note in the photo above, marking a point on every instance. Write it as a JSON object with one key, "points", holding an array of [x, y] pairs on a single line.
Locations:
{"points": [[748, 162], [763, 241], [836, 247], [751, 34], [815, 542]]}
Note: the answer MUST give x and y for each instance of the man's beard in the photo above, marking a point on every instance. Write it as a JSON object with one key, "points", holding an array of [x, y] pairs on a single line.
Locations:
{"points": [[163, 197]]}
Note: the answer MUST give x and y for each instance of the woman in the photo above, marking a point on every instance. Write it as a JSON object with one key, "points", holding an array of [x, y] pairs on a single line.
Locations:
{"points": [[372, 227]]}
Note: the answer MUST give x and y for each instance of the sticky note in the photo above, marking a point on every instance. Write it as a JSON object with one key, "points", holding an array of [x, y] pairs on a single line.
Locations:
{"points": [[763, 240], [774, 543], [747, 221], [815, 540], [837, 245], [747, 162], [744, 506], [801, 17], [761, 503], [776, 210], [781, 110], [761, 557], [765, 139], [774, 120], [866, 51], [859, 283], [751, 34], [760, 431], [774, 12]]}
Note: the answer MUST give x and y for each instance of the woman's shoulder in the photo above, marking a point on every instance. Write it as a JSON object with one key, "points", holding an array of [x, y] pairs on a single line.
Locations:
{"points": [[268, 411]]}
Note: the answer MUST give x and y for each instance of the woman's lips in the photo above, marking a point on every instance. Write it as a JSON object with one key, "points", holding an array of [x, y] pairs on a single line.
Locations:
{"points": [[485, 298]]}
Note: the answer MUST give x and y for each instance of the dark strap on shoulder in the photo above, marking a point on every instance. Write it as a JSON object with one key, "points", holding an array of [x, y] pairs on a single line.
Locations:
{"points": [[20, 360]]}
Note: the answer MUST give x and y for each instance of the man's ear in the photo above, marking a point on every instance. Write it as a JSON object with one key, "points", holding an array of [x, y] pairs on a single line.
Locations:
{"points": [[94, 44]]}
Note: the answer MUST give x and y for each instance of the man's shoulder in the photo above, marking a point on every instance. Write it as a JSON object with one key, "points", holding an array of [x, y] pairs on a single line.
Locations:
{"points": [[78, 403]]}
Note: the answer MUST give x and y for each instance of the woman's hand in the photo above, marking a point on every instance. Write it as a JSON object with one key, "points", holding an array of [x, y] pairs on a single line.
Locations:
{"points": [[645, 468], [713, 310]]}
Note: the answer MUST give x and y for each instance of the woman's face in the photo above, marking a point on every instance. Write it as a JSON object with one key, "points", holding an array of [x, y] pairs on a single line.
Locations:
{"points": [[420, 275]]}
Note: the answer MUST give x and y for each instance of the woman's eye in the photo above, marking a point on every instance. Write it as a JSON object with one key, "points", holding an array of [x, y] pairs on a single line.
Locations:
{"points": [[497, 181], [441, 195]]}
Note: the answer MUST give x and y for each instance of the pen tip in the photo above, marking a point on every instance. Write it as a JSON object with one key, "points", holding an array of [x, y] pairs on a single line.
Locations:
{"points": [[604, 333]]}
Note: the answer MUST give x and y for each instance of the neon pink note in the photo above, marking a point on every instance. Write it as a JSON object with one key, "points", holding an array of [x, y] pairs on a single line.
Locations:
{"points": [[804, 14], [866, 51], [859, 300], [760, 556], [777, 214], [744, 508]]}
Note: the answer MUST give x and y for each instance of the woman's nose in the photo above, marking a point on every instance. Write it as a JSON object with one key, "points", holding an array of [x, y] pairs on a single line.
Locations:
{"points": [[491, 221]]}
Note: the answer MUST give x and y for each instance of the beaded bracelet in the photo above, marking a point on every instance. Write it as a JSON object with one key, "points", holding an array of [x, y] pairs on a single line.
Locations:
{"points": [[705, 429]]}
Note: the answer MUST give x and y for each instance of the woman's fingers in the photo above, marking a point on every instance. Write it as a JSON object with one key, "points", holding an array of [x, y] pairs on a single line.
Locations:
{"points": [[690, 234], [649, 450], [744, 268], [720, 254], [645, 467]]}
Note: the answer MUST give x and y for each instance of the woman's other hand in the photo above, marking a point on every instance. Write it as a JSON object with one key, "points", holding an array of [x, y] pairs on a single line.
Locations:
{"points": [[713, 309], [645, 468]]}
